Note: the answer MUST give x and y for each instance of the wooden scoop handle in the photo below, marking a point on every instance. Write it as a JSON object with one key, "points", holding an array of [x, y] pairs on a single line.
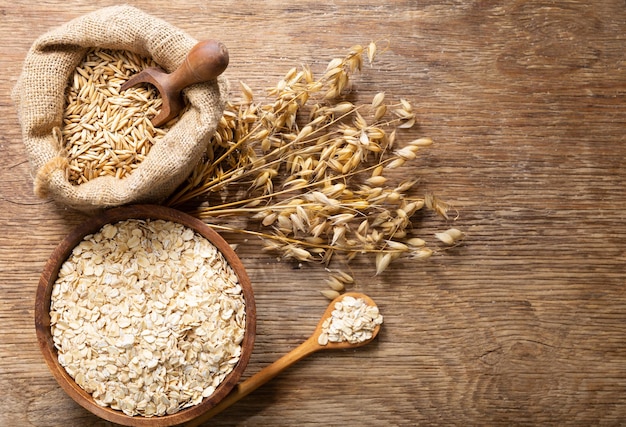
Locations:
{"points": [[205, 61]]}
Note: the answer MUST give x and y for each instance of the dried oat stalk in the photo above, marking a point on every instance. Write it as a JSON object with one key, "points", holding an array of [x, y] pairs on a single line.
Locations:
{"points": [[315, 170]]}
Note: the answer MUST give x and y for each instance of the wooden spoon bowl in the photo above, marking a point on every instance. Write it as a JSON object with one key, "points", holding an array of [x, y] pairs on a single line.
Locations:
{"points": [[42, 313]]}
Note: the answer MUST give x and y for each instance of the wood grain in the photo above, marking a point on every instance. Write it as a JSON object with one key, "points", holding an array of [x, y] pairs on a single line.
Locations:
{"points": [[524, 323]]}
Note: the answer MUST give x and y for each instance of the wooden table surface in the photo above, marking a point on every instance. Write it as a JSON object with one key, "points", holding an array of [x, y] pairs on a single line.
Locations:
{"points": [[524, 323]]}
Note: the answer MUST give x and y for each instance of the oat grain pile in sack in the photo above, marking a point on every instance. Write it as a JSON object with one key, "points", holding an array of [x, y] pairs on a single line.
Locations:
{"points": [[41, 99]]}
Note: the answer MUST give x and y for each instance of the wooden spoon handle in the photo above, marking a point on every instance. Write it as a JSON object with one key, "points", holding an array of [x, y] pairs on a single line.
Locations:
{"points": [[248, 386], [205, 61]]}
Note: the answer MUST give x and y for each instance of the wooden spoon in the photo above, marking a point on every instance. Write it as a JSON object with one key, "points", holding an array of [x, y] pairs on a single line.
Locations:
{"points": [[309, 346], [205, 61]]}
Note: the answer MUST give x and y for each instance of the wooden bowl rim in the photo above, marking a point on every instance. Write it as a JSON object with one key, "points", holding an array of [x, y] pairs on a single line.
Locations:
{"points": [[42, 312]]}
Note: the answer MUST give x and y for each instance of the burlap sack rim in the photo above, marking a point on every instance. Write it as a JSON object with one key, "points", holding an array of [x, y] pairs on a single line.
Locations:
{"points": [[184, 148]]}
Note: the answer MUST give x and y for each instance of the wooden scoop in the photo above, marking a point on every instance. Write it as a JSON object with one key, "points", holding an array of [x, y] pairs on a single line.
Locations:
{"points": [[205, 61], [309, 346]]}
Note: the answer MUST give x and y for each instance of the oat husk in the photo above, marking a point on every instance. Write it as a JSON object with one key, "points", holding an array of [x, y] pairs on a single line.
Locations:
{"points": [[39, 97]]}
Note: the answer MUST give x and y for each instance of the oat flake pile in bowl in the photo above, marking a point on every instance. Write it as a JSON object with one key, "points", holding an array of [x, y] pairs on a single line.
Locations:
{"points": [[146, 316]]}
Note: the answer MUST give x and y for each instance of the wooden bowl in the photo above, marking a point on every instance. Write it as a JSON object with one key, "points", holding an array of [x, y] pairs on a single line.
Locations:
{"points": [[42, 313]]}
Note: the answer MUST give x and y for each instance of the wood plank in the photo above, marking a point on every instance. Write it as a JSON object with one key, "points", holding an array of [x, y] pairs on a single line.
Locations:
{"points": [[524, 323]]}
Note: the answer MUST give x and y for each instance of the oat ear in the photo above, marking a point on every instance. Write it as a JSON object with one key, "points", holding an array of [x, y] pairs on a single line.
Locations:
{"points": [[319, 173]]}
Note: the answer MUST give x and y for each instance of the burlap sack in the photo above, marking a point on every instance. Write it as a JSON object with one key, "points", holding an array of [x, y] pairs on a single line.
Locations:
{"points": [[39, 96]]}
